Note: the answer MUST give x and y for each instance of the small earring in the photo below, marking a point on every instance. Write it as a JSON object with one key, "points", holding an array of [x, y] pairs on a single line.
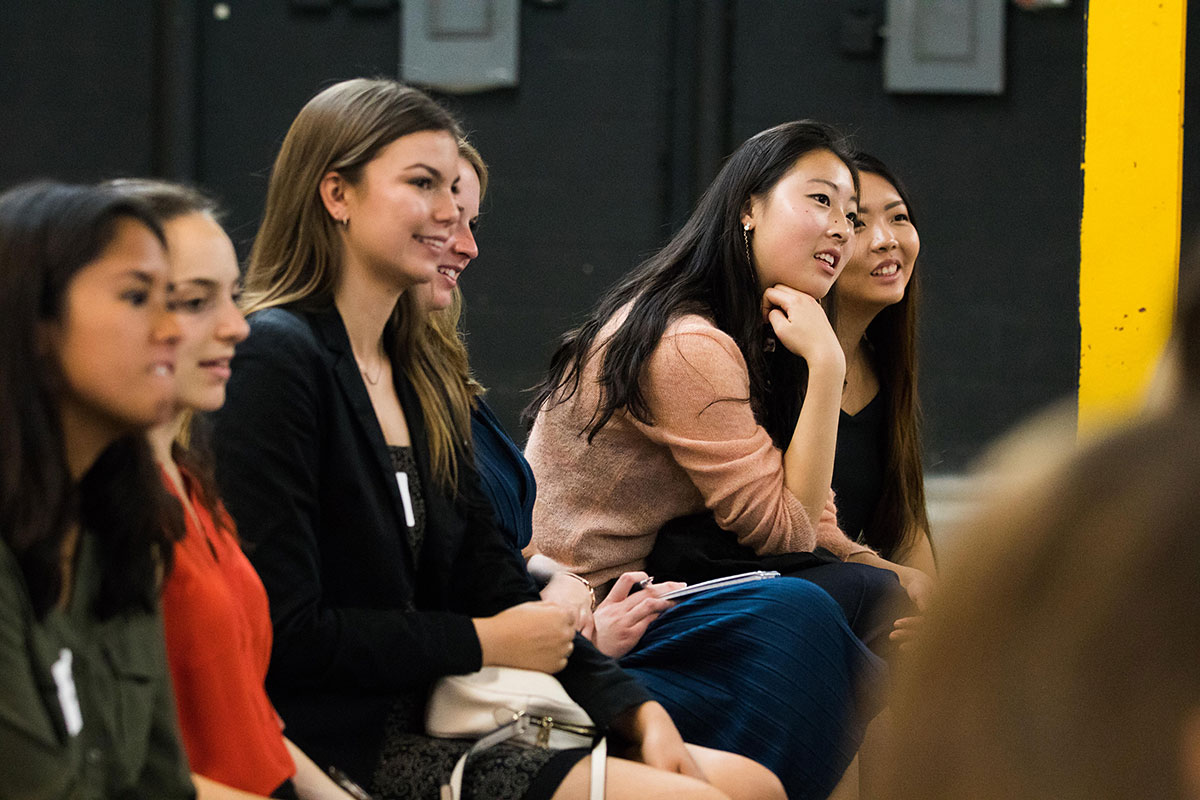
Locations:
{"points": [[346, 222]]}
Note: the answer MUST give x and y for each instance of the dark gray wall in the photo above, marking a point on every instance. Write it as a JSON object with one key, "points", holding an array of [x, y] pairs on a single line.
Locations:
{"points": [[623, 108], [998, 191], [77, 91]]}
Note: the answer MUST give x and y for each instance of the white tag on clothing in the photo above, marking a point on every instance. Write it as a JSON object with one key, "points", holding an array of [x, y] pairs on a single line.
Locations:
{"points": [[64, 679], [409, 519]]}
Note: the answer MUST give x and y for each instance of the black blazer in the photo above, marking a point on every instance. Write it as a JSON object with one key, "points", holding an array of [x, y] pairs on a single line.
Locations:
{"points": [[304, 470]]}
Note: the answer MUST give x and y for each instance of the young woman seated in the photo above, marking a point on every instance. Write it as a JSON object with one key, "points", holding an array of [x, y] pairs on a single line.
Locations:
{"points": [[768, 671], [357, 497], [877, 473], [218, 625], [87, 351]]}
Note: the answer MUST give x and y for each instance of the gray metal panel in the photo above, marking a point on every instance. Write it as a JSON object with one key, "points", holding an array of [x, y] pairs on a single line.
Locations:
{"points": [[460, 45], [944, 46]]}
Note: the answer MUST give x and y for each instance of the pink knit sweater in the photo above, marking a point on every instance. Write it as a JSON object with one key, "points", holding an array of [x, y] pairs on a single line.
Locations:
{"points": [[600, 505]]}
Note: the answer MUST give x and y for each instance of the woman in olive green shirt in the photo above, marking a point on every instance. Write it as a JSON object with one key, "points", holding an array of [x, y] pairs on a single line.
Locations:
{"points": [[87, 349]]}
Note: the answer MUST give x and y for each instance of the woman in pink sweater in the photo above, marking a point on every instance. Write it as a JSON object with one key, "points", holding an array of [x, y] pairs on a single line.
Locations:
{"points": [[709, 383], [698, 406]]}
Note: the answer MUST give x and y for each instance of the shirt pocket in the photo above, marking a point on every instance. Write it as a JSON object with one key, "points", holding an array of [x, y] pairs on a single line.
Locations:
{"points": [[133, 656]]}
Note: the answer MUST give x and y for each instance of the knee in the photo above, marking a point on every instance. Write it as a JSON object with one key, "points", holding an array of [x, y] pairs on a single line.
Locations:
{"points": [[739, 777], [804, 598], [875, 587], [757, 783]]}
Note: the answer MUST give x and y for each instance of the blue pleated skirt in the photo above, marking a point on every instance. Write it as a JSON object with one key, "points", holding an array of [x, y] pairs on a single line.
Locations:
{"points": [[769, 670]]}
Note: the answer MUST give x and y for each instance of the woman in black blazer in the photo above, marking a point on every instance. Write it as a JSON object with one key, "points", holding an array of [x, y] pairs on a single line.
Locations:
{"points": [[358, 502]]}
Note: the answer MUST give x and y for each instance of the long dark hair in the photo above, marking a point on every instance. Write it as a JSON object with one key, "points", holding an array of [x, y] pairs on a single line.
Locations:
{"points": [[48, 233], [704, 269], [900, 515]]}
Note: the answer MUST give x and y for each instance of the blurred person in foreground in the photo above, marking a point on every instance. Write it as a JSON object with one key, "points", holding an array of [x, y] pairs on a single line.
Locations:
{"points": [[1060, 658]]}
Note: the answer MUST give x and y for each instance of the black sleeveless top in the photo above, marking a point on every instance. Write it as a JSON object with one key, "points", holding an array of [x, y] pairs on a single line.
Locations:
{"points": [[858, 466]]}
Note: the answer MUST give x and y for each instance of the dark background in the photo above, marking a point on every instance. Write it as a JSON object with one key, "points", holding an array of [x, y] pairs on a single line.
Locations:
{"points": [[624, 110]]}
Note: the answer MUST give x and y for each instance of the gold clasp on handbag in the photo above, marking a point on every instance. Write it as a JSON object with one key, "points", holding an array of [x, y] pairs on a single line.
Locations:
{"points": [[543, 734], [547, 724]]}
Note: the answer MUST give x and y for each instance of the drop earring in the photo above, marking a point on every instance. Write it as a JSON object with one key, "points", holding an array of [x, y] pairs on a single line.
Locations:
{"points": [[746, 239]]}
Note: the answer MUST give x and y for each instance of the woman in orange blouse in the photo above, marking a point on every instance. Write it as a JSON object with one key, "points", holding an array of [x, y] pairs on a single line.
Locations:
{"points": [[217, 619]]}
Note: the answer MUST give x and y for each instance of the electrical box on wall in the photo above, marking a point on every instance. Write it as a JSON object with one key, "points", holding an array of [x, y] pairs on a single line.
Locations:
{"points": [[460, 45], [944, 46]]}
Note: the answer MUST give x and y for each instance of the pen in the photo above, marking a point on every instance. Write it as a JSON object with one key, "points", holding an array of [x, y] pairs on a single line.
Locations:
{"points": [[642, 584]]}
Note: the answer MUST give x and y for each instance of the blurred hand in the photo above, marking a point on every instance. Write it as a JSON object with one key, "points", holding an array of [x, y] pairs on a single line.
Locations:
{"points": [[623, 617], [916, 583], [536, 635], [906, 632]]}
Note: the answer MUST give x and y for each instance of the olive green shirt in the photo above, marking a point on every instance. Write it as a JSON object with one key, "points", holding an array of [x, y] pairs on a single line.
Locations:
{"points": [[86, 709]]}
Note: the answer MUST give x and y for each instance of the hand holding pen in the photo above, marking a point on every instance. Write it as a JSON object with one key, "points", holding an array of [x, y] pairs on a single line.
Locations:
{"points": [[633, 603]]}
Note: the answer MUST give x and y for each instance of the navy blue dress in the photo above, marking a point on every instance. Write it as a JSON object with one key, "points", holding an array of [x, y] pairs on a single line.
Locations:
{"points": [[770, 670]]}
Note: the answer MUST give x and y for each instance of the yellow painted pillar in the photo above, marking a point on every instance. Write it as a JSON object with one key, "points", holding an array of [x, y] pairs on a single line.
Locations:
{"points": [[1129, 237]]}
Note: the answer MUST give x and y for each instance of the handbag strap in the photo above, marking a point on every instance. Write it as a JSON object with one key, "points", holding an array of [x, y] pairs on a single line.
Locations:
{"points": [[452, 788], [599, 769]]}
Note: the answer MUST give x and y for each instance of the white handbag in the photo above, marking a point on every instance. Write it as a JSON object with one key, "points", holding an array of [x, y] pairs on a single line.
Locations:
{"points": [[497, 704]]}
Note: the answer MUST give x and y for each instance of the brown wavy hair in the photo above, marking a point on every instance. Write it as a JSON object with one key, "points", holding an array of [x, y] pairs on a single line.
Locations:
{"points": [[440, 344], [296, 257]]}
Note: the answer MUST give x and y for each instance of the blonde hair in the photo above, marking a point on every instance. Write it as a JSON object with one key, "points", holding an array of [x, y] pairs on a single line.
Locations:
{"points": [[296, 257], [439, 345]]}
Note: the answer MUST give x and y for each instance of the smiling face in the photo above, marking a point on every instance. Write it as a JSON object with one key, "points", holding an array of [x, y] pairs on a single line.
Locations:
{"points": [[885, 250], [801, 230], [205, 286], [115, 340], [462, 247], [402, 211]]}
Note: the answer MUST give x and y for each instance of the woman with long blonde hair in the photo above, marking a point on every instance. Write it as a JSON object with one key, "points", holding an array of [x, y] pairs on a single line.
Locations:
{"points": [[358, 500]]}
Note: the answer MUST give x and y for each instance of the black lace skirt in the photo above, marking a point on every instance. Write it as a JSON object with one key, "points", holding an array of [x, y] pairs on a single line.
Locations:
{"points": [[412, 764]]}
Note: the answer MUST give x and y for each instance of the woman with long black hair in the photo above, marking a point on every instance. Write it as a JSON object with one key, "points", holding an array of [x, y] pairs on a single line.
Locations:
{"points": [[87, 351], [786, 699], [709, 381], [877, 472], [687, 429]]}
